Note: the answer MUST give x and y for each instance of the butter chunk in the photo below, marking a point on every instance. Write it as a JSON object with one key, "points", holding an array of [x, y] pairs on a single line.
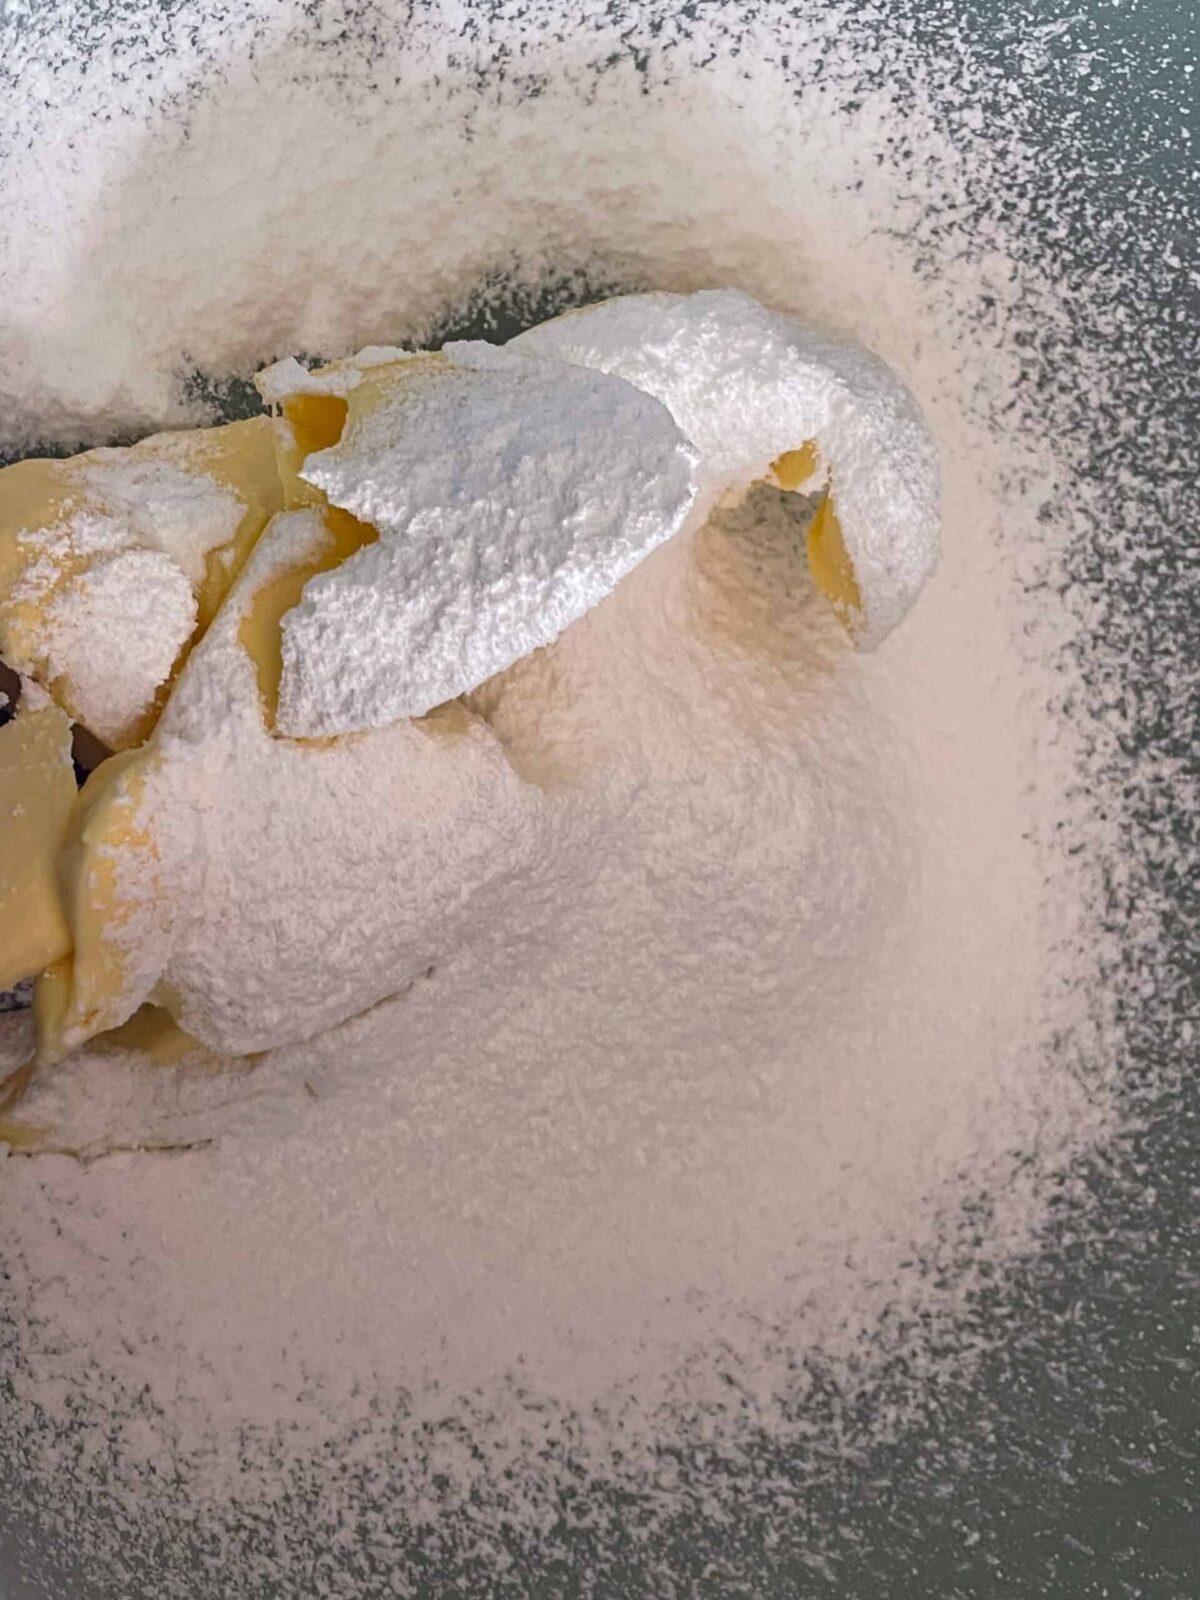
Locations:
{"points": [[37, 793], [261, 630], [86, 992], [112, 562], [798, 471], [215, 871]]}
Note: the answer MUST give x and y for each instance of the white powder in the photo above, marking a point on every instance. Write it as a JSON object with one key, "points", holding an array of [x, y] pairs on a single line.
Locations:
{"points": [[161, 501], [651, 1149], [114, 577], [511, 501], [745, 386], [114, 632], [509, 496], [280, 888]]}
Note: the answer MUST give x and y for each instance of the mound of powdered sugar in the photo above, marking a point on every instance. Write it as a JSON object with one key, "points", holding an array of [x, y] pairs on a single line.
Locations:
{"points": [[747, 386], [509, 495], [513, 1274], [113, 575]]}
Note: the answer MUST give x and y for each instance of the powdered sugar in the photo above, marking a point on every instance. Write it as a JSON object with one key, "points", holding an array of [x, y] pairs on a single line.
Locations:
{"points": [[509, 503], [525, 1267], [114, 631], [112, 577], [159, 501], [509, 496], [747, 386], [278, 888]]}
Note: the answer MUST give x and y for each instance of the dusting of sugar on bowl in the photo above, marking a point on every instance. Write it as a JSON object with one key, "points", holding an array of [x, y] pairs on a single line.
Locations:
{"points": [[518, 1271]]}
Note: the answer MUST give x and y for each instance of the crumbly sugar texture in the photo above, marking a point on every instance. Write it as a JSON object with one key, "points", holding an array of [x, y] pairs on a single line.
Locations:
{"points": [[764, 1002], [105, 600], [747, 386], [506, 497], [263, 861], [503, 497], [509, 495], [115, 631]]}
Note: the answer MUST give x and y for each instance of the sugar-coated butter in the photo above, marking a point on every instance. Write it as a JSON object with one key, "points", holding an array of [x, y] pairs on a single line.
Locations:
{"points": [[37, 792], [113, 562]]}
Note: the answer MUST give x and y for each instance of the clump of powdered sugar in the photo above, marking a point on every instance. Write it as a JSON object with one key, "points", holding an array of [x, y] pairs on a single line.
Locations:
{"points": [[114, 631], [643, 1226], [509, 495], [113, 577], [161, 502], [746, 387]]}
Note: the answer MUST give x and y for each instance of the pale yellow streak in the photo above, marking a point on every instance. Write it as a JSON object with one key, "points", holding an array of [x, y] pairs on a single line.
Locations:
{"points": [[830, 564], [37, 793], [86, 993]]}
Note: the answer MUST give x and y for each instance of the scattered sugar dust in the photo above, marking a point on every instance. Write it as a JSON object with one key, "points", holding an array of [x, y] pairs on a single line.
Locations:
{"points": [[491, 1284]]}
